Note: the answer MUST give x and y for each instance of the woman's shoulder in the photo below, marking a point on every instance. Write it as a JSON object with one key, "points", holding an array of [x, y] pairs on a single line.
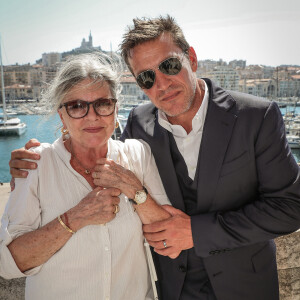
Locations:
{"points": [[132, 146], [46, 149]]}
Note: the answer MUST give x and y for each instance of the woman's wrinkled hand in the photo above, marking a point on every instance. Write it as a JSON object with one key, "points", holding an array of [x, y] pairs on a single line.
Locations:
{"points": [[97, 207], [110, 174]]}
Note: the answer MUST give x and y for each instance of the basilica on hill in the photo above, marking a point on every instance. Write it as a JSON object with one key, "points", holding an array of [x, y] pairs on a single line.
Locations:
{"points": [[87, 44]]}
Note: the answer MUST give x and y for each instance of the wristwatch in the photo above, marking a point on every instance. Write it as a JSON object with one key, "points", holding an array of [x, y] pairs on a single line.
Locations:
{"points": [[140, 196]]}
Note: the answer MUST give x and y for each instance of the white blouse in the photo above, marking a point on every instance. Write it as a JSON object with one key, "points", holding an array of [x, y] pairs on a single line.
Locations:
{"points": [[98, 262]]}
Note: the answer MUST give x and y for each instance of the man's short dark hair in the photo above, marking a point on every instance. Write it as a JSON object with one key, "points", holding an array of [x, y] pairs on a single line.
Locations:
{"points": [[147, 29]]}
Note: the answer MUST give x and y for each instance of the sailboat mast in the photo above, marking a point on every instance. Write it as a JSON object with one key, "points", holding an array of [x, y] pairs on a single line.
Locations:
{"points": [[2, 86]]}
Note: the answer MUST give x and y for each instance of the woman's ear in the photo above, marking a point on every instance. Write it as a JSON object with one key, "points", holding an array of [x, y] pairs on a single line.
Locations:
{"points": [[61, 118]]}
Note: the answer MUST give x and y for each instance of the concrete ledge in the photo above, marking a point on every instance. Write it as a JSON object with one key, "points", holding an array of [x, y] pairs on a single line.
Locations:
{"points": [[13, 289]]}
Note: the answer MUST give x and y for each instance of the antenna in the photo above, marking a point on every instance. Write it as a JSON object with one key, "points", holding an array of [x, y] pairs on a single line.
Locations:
{"points": [[2, 85]]}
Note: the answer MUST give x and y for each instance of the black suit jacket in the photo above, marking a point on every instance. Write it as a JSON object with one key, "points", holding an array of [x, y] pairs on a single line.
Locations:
{"points": [[248, 194]]}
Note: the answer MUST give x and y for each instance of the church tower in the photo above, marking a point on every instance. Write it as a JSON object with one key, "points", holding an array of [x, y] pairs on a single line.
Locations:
{"points": [[90, 40]]}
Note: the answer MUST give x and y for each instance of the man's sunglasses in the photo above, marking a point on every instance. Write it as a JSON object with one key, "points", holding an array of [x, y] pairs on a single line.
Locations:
{"points": [[170, 66], [77, 109]]}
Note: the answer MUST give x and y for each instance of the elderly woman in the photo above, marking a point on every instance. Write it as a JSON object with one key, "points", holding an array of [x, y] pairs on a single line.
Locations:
{"points": [[51, 229]]}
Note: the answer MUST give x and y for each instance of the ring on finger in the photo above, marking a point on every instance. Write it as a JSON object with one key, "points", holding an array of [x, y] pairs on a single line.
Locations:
{"points": [[117, 209], [165, 244]]}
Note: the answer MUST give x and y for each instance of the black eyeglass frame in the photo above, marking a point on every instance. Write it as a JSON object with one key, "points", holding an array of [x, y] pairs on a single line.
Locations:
{"points": [[158, 68], [93, 103]]}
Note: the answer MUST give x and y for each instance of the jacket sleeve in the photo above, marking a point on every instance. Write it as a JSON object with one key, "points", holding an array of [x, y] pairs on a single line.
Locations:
{"points": [[276, 209]]}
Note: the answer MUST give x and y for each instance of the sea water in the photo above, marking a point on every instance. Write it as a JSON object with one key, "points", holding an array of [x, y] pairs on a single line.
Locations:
{"points": [[46, 130]]}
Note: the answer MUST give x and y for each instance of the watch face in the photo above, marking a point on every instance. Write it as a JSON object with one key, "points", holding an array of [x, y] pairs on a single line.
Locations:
{"points": [[140, 197]]}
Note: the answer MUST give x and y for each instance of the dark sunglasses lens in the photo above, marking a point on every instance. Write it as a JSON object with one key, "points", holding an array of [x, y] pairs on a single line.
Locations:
{"points": [[146, 79], [171, 66], [104, 107], [77, 109]]}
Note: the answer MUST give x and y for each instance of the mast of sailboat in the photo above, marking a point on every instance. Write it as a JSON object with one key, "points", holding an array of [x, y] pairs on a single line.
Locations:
{"points": [[2, 87]]}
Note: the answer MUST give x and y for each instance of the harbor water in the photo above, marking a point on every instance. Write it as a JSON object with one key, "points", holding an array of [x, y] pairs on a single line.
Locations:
{"points": [[46, 130]]}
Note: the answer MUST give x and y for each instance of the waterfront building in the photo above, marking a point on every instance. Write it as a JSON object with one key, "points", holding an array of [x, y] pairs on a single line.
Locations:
{"points": [[224, 76], [18, 91], [241, 64], [259, 87], [50, 59], [129, 87]]}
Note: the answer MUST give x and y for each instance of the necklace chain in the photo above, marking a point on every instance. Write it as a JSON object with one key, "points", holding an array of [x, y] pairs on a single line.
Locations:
{"points": [[86, 170]]}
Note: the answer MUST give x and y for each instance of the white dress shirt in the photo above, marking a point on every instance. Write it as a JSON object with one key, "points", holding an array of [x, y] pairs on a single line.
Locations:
{"points": [[98, 262], [188, 144]]}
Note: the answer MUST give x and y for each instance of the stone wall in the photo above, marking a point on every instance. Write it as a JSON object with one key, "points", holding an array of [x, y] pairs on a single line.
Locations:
{"points": [[288, 262]]}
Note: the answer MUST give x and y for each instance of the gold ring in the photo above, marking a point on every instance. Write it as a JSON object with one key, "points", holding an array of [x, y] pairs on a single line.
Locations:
{"points": [[117, 209]]}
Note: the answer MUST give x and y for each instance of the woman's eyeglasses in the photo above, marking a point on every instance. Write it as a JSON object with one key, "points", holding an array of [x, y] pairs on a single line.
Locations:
{"points": [[170, 66], [77, 109]]}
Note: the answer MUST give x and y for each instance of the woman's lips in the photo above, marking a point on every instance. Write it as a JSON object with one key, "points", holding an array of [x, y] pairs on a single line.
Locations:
{"points": [[93, 129]]}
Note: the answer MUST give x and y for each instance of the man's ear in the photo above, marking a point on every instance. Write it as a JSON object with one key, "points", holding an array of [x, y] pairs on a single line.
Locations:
{"points": [[193, 59]]}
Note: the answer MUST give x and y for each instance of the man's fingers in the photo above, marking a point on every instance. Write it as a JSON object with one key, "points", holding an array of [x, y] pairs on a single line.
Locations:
{"points": [[22, 164], [154, 237], [170, 251], [158, 245], [155, 227], [32, 143], [24, 154], [12, 184], [16, 173], [172, 210]]}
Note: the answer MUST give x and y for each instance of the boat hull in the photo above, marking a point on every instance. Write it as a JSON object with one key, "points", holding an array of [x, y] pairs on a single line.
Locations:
{"points": [[13, 129]]}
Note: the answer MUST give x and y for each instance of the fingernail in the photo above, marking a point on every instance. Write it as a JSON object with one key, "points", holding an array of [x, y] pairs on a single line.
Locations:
{"points": [[33, 166], [24, 174]]}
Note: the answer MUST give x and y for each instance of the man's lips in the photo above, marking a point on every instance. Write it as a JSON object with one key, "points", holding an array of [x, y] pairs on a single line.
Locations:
{"points": [[170, 96], [93, 129]]}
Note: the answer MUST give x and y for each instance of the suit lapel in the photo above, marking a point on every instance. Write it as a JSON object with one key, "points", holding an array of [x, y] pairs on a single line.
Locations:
{"points": [[217, 131], [160, 147]]}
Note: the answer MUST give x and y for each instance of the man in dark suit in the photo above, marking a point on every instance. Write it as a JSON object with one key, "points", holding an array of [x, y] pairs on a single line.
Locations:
{"points": [[226, 168]]}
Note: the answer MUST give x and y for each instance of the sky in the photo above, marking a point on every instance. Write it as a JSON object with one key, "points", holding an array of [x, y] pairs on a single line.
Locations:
{"points": [[262, 32]]}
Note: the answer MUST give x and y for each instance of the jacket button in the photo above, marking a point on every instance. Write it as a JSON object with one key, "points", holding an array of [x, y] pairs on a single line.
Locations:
{"points": [[182, 269]]}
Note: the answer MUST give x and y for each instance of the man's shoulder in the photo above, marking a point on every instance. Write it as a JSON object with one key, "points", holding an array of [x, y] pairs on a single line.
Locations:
{"points": [[234, 100], [249, 100]]}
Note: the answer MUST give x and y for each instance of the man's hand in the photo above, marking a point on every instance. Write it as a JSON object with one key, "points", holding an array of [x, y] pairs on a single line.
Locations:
{"points": [[175, 233], [17, 161]]}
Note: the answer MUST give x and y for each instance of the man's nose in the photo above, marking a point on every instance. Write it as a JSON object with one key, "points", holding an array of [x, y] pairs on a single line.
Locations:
{"points": [[162, 81]]}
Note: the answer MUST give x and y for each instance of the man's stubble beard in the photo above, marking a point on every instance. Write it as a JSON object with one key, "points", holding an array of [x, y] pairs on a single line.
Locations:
{"points": [[188, 104]]}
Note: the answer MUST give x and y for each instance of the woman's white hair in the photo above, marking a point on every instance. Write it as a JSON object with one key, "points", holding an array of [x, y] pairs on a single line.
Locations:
{"points": [[96, 66]]}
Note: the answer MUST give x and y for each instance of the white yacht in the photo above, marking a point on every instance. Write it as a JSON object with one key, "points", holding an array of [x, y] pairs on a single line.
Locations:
{"points": [[12, 126], [294, 141]]}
